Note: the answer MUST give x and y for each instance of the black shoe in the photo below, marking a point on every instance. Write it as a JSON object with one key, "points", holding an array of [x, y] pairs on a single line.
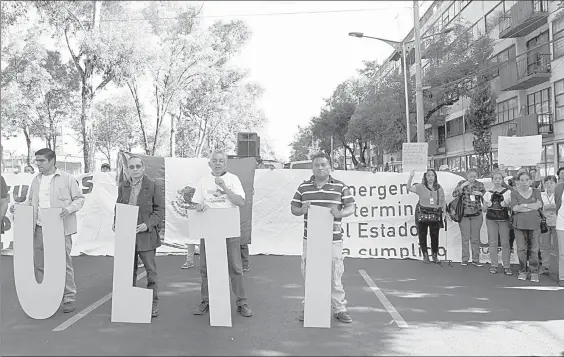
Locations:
{"points": [[245, 311], [68, 307], [426, 258], [202, 308], [435, 258], [343, 316]]}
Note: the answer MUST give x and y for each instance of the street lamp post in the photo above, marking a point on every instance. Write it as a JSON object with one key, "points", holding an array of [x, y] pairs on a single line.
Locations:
{"points": [[418, 84], [401, 46]]}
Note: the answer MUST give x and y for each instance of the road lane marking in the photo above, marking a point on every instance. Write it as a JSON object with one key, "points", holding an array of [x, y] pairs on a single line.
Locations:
{"points": [[384, 300], [89, 309]]}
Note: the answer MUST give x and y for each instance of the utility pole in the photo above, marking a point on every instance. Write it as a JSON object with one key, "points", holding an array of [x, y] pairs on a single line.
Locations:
{"points": [[96, 15], [418, 84], [405, 69]]}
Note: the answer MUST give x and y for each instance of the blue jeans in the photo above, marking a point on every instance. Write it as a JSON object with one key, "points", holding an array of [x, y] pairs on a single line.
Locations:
{"points": [[235, 267], [524, 237], [149, 261], [69, 295]]}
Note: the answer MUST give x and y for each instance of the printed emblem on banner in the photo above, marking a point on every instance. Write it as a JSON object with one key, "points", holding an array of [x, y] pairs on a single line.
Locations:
{"points": [[183, 201]]}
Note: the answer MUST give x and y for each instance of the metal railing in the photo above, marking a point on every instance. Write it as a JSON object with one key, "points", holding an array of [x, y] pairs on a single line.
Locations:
{"points": [[534, 63], [525, 9]]}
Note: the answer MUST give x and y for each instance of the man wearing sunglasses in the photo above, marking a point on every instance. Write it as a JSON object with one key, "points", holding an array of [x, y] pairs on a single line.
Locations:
{"points": [[139, 190]]}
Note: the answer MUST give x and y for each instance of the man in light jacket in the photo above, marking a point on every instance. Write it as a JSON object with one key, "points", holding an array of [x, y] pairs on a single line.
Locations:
{"points": [[558, 191], [53, 188]]}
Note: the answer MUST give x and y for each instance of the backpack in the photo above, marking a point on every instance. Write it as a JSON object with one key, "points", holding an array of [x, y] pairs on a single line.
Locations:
{"points": [[455, 209], [497, 212]]}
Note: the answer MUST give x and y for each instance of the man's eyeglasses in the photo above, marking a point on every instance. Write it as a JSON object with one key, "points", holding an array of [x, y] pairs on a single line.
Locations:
{"points": [[133, 167]]}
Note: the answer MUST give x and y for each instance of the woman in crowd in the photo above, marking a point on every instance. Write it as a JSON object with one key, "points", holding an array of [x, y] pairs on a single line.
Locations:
{"points": [[431, 205], [549, 210], [536, 179], [496, 203], [560, 175], [471, 193], [525, 204], [558, 198]]}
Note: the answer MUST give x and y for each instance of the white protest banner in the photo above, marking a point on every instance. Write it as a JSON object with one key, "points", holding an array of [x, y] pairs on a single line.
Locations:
{"points": [[383, 225], [414, 157], [519, 150]]}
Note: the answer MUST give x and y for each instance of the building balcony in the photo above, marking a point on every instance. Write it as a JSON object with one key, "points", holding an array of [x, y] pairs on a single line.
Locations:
{"points": [[525, 73], [437, 146], [523, 18]]}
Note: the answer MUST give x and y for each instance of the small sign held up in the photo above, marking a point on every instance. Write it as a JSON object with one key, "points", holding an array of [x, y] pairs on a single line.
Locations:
{"points": [[414, 157], [519, 150]]}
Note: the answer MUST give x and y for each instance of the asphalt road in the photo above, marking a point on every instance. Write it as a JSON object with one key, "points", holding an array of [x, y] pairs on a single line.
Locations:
{"points": [[447, 311]]}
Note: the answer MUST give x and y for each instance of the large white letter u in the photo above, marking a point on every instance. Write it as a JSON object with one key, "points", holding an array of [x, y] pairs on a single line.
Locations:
{"points": [[39, 301]]}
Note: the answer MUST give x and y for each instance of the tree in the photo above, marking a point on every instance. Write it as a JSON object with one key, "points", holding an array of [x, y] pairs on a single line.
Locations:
{"points": [[454, 60], [56, 100], [480, 115], [301, 146], [110, 52]]}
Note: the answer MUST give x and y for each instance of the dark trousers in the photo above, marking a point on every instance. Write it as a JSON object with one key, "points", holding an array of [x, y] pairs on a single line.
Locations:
{"points": [[234, 266], [148, 259], [433, 229], [245, 255]]}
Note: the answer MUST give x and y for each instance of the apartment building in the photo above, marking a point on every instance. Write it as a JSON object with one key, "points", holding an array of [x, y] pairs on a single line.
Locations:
{"points": [[529, 47]]}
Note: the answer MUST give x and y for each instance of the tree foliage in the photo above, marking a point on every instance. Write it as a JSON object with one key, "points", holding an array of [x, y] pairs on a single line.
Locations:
{"points": [[480, 115]]}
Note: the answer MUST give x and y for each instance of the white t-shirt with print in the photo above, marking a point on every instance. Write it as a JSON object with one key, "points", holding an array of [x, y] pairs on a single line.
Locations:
{"points": [[44, 195], [213, 196]]}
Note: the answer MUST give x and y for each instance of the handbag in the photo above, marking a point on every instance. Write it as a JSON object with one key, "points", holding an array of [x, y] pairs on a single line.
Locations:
{"points": [[543, 225], [455, 209], [430, 215]]}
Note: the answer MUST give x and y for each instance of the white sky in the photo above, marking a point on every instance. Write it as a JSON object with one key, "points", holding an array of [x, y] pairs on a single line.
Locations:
{"points": [[300, 59]]}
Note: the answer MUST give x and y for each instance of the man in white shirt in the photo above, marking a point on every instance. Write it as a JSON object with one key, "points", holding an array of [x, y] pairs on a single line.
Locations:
{"points": [[222, 189], [55, 188]]}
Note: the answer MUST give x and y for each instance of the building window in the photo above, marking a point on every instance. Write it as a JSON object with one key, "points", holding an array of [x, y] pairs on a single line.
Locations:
{"points": [[507, 110], [429, 134], [500, 59], [493, 16], [539, 102], [559, 99], [560, 155], [463, 3], [448, 15], [558, 38], [472, 34], [455, 127], [547, 160]]}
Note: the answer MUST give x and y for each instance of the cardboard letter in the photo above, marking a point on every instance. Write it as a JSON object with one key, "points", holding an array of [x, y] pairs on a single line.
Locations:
{"points": [[129, 304], [215, 225], [39, 301], [319, 256]]}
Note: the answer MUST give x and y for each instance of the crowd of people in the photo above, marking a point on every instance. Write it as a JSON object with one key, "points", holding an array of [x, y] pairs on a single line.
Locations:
{"points": [[523, 214], [524, 211]]}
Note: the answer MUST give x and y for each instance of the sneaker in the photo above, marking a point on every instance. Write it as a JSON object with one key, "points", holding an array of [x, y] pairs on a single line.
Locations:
{"points": [[302, 315], [343, 316], [68, 307], [202, 308], [464, 264], [246, 269], [187, 265], [245, 311], [535, 278], [140, 265], [561, 283], [155, 311], [477, 264], [544, 271], [522, 276], [493, 270], [508, 271]]}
